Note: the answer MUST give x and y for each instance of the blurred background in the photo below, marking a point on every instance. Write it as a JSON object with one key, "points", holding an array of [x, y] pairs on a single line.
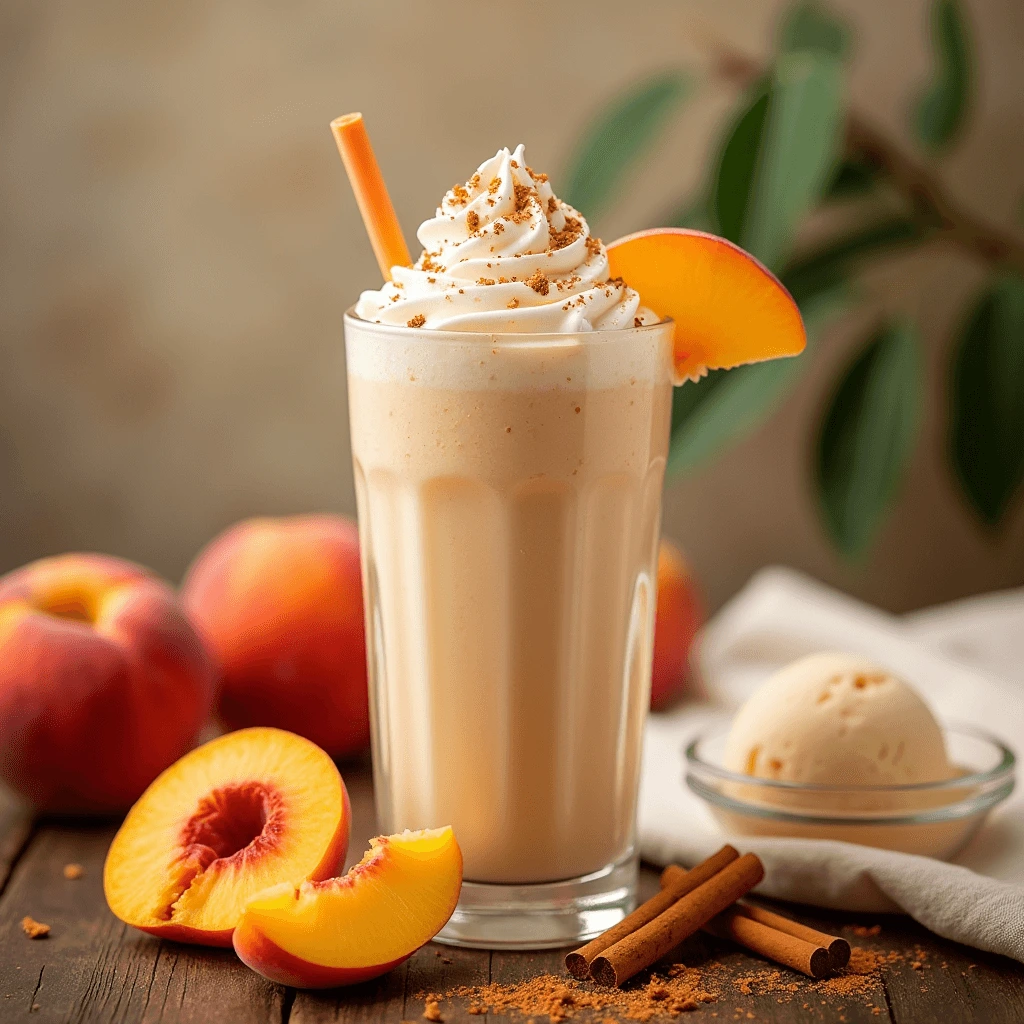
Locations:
{"points": [[178, 243]]}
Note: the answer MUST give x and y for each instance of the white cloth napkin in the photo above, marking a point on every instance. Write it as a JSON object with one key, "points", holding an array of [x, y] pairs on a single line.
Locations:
{"points": [[966, 659]]}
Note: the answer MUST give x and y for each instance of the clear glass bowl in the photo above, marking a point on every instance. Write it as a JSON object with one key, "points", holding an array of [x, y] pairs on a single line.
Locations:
{"points": [[936, 819]]}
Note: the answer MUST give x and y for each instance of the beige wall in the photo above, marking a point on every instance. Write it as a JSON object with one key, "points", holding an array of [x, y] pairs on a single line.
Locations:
{"points": [[177, 244]]}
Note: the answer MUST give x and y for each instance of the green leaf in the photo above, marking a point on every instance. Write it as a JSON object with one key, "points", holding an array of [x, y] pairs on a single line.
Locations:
{"points": [[827, 266], [734, 182], [867, 436], [940, 112], [810, 26], [987, 392], [798, 152], [726, 404], [779, 155], [854, 177], [617, 137]]}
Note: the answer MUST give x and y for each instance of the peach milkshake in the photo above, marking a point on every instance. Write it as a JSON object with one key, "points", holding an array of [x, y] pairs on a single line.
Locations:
{"points": [[510, 406], [510, 400]]}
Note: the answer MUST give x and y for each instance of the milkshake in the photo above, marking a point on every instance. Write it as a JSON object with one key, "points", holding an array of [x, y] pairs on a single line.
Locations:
{"points": [[510, 406]]}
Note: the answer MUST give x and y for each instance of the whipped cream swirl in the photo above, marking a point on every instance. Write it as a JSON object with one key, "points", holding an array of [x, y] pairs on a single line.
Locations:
{"points": [[503, 254]]}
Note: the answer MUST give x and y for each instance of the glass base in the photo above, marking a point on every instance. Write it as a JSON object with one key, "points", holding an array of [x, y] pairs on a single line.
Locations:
{"points": [[542, 915]]}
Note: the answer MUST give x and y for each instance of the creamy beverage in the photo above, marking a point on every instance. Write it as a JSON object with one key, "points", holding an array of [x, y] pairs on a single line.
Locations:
{"points": [[509, 511], [510, 409], [510, 404]]}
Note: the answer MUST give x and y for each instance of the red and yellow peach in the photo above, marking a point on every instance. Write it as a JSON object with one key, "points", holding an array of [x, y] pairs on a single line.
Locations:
{"points": [[103, 682], [279, 603], [679, 616]]}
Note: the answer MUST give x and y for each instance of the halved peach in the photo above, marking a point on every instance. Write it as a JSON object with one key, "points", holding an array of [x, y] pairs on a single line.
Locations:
{"points": [[729, 309], [345, 930], [243, 812]]}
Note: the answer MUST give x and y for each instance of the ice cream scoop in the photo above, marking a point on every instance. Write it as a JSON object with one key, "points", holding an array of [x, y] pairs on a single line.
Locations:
{"points": [[841, 720]]}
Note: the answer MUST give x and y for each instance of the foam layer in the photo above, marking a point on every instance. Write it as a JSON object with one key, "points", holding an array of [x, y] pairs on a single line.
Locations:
{"points": [[500, 362]]}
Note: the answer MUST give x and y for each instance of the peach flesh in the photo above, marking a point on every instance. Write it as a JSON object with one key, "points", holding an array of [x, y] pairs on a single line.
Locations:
{"points": [[246, 811], [728, 308], [235, 821], [341, 931]]}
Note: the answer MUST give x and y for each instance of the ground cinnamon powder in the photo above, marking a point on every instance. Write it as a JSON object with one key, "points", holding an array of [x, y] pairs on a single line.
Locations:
{"points": [[678, 989], [558, 998]]}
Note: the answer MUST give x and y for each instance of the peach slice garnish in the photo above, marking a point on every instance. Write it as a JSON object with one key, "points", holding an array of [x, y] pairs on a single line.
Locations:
{"points": [[728, 308], [241, 813], [350, 929]]}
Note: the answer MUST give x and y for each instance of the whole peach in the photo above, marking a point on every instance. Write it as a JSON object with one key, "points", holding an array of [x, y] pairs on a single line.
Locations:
{"points": [[103, 682], [680, 615], [280, 604]]}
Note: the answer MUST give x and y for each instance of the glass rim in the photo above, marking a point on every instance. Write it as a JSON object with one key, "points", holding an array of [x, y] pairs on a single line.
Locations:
{"points": [[500, 337]]}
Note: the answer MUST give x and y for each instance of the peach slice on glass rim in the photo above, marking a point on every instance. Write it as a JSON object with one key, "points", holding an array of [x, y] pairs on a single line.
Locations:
{"points": [[243, 812], [345, 930], [729, 309]]}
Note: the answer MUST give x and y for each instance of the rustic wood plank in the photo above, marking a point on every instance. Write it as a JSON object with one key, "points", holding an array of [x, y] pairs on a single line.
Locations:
{"points": [[92, 968], [15, 831], [953, 984]]}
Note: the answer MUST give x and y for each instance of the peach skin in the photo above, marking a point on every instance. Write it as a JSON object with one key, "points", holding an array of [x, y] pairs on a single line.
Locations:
{"points": [[679, 616], [279, 603], [103, 682], [243, 812], [350, 929], [728, 308]]}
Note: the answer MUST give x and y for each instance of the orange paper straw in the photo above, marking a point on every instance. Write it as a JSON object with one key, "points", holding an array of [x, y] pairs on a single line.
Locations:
{"points": [[371, 193]]}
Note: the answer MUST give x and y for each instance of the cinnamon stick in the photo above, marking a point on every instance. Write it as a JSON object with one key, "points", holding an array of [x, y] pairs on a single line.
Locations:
{"points": [[578, 962], [807, 957], [632, 954], [838, 948]]}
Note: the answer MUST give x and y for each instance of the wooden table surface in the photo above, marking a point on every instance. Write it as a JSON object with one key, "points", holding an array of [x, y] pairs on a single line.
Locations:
{"points": [[93, 968]]}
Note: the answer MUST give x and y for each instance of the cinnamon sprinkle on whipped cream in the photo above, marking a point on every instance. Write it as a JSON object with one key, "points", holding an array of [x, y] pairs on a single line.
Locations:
{"points": [[503, 254]]}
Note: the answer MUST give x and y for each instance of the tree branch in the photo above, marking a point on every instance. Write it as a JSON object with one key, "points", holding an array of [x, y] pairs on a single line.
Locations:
{"points": [[932, 205]]}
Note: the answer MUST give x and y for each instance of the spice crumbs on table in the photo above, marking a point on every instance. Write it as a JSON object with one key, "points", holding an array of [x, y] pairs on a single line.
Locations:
{"points": [[34, 929], [73, 871], [432, 1011], [679, 989]]}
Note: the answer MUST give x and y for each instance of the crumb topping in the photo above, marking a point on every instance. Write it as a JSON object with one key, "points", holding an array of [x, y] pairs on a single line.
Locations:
{"points": [[563, 263], [539, 283], [560, 239], [34, 929]]}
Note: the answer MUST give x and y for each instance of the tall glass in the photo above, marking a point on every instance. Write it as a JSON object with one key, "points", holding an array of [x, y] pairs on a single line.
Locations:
{"points": [[509, 492]]}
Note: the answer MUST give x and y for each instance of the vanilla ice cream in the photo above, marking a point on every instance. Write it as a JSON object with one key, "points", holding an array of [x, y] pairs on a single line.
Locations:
{"points": [[840, 720]]}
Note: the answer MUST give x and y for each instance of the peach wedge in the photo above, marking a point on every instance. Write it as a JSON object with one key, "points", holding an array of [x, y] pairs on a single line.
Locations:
{"points": [[728, 308], [241, 813], [350, 929]]}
